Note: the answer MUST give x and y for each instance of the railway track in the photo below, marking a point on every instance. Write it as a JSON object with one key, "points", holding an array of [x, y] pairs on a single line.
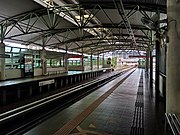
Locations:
{"points": [[21, 119]]}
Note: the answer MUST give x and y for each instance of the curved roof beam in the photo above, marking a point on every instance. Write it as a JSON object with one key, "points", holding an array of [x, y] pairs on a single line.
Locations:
{"points": [[145, 5], [60, 30], [91, 38], [104, 50], [116, 44], [120, 7]]}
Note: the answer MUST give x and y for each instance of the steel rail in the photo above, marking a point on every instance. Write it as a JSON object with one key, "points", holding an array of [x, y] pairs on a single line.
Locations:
{"points": [[28, 107]]}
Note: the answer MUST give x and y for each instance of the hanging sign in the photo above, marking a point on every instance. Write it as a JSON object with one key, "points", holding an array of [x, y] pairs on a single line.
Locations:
{"points": [[42, 83]]}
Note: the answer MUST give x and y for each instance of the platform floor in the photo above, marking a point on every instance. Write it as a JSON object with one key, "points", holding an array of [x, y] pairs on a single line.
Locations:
{"points": [[38, 78], [110, 110]]}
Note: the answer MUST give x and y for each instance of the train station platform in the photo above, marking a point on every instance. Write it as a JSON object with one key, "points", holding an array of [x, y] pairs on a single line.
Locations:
{"points": [[23, 88], [123, 106], [44, 39]]}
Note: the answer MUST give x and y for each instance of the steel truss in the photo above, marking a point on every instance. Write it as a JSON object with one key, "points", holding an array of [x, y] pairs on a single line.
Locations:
{"points": [[79, 34]]}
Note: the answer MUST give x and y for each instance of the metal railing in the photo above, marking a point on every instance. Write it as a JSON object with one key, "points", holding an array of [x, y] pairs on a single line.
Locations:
{"points": [[162, 74], [173, 122]]}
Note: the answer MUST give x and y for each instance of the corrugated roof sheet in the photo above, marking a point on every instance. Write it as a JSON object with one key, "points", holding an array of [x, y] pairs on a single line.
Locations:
{"points": [[156, 2]]}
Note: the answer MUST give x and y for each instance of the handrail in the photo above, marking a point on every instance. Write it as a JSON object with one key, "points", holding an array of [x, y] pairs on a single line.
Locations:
{"points": [[162, 74], [173, 122]]}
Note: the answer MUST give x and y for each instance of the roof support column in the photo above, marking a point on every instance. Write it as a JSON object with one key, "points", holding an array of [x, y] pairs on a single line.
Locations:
{"points": [[60, 63], [151, 69], [173, 58], [151, 63], [2, 61], [82, 59], [66, 62], [147, 61], [157, 66], [157, 46], [98, 61], [103, 61], [2, 53], [43, 61], [91, 61]]}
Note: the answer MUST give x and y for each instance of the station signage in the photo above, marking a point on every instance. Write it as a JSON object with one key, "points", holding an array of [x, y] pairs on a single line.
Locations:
{"points": [[28, 65], [74, 56], [42, 83], [139, 56]]}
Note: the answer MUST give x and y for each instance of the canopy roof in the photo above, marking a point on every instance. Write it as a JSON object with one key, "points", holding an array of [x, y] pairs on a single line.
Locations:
{"points": [[88, 26]]}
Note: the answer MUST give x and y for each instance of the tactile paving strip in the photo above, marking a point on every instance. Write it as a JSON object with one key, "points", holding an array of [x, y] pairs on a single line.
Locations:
{"points": [[137, 127], [67, 128]]}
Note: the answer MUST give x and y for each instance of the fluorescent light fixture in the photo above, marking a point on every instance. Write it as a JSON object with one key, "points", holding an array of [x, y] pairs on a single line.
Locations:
{"points": [[44, 3], [32, 47], [35, 47], [85, 17], [49, 3], [54, 50], [86, 55], [41, 3], [74, 58], [15, 45], [74, 1]]}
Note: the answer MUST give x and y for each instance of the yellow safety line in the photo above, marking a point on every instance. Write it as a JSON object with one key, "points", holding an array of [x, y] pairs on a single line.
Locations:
{"points": [[72, 124]]}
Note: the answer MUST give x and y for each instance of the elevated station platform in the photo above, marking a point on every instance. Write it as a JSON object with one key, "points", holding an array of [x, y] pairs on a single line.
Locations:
{"points": [[123, 106], [17, 89], [44, 39], [29, 88]]}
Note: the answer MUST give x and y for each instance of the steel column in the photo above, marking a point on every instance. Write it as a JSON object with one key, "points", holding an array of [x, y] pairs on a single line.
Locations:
{"points": [[157, 67], [151, 70], [91, 61]]}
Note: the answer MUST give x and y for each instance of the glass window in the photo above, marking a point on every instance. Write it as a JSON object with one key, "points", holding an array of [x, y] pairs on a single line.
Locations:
{"points": [[15, 49], [8, 54], [23, 50], [69, 62], [37, 60], [37, 56], [15, 60], [94, 62], [48, 62], [16, 55], [62, 62], [78, 62], [53, 62], [37, 63], [8, 60], [7, 49]]}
